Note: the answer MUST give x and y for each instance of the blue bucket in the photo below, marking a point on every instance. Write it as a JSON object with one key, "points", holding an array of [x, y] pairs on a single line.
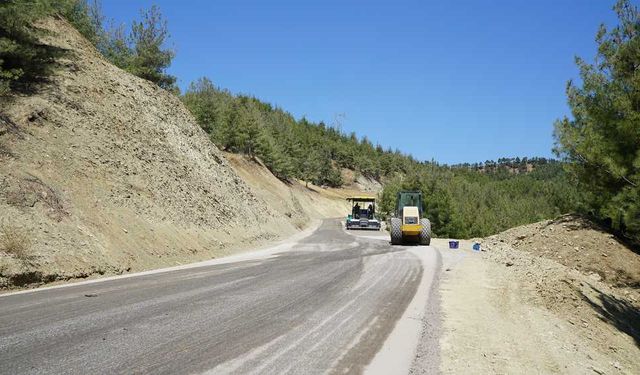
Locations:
{"points": [[454, 244]]}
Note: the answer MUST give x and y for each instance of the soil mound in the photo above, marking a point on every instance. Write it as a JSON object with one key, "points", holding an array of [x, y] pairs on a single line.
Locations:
{"points": [[558, 296], [578, 243]]}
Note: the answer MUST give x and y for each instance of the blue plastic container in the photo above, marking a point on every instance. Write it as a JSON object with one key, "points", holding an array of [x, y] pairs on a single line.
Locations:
{"points": [[454, 244], [476, 246]]}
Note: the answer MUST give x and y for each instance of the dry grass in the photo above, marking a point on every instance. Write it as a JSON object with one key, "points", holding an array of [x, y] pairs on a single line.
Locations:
{"points": [[15, 241]]}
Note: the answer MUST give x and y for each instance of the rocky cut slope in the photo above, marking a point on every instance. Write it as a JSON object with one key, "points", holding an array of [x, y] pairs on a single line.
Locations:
{"points": [[103, 172]]}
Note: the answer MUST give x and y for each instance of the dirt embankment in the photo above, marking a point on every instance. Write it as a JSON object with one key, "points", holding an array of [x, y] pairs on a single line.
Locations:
{"points": [[102, 172], [298, 201], [356, 181], [558, 296]]}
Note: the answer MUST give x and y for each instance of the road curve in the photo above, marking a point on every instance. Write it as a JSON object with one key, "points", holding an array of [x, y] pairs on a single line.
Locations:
{"points": [[325, 306]]}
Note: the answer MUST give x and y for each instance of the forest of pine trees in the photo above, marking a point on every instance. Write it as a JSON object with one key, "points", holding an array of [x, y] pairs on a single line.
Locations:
{"points": [[464, 203], [290, 148]]}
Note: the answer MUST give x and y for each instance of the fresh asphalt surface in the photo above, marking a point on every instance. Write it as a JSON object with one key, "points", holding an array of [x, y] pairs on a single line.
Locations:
{"points": [[327, 305]]}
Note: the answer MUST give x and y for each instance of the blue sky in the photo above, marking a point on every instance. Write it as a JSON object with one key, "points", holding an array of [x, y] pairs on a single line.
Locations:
{"points": [[451, 81]]}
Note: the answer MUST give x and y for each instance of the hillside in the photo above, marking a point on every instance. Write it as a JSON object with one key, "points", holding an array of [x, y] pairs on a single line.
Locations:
{"points": [[102, 172], [299, 201], [290, 147]]}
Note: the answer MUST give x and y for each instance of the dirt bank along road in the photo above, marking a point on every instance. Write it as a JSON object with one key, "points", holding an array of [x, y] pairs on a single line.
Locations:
{"points": [[325, 303]]}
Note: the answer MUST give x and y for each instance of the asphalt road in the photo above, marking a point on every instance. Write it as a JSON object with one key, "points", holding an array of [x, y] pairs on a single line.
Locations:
{"points": [[325, 306]]}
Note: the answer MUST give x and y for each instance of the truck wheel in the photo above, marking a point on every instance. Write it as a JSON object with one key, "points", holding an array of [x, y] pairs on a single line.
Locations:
{"points": [[396, 231], [425, 233]]}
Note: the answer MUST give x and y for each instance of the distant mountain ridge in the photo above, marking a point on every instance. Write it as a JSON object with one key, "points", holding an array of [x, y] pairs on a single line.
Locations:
{"points": [[515, 165]]}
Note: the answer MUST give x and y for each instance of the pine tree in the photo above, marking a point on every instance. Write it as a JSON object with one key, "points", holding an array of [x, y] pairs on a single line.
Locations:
{"points": [[602, 140], [151, 59], [23, 59]]}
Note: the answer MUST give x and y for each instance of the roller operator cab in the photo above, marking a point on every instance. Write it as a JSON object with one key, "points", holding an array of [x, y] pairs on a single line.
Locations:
{"points": [[408, 223], [363, 214]]}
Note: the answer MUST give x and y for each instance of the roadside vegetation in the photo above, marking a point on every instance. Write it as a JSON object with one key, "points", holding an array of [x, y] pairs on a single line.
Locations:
{"points": [[601, 142], [598, 174], [24, 61]]}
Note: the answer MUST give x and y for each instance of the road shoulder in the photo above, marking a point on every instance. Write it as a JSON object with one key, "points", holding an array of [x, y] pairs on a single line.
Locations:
{"points": [[506, 311], [413, 343]]}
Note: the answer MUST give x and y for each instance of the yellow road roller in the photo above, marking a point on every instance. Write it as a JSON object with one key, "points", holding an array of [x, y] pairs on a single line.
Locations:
{"points": [[408, 225]]}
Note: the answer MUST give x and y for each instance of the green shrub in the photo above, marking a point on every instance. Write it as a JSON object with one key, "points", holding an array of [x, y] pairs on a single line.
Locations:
{"points": [[23, 59]]}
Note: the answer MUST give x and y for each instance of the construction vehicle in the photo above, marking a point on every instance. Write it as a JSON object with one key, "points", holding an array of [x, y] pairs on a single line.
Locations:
{"points": [[408, 223], [363, 213]]}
